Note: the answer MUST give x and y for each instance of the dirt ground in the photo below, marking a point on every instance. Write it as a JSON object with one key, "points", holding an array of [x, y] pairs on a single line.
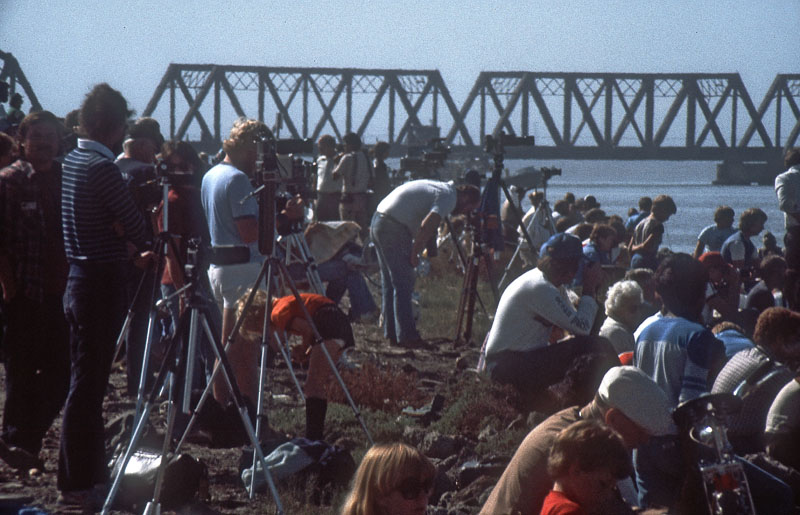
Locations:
{"points": [[225, 493]]}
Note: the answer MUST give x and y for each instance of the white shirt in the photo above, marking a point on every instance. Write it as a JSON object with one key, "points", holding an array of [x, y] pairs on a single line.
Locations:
{"points": [[325, 181], [529, 309], [787, 188]]}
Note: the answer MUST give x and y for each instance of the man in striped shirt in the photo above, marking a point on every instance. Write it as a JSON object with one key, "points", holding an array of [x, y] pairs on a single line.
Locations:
{"points": [[100, 223], [683, 357]]}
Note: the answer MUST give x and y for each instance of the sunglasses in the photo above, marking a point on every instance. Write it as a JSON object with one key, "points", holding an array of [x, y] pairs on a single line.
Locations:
{"points": [[410, 488]]}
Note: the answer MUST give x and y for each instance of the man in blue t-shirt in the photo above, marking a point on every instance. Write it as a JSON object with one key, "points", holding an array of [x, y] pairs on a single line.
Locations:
{"points": [[232, 215], [682, 357], [713, 236]]}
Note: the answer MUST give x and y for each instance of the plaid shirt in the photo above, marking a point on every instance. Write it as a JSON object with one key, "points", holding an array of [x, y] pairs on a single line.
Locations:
{"points": [[30, 229]]}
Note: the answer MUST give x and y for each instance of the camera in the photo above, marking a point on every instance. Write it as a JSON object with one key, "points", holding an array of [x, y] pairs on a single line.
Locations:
{"points": [[300, 177], [424, 163], [497, 145]]}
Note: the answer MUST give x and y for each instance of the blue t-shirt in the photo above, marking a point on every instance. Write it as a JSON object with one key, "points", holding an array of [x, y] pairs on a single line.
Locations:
{"points": [[677, 354], [713, 237], [634, 220], [747, 252], [223, 189], [734, 341]]}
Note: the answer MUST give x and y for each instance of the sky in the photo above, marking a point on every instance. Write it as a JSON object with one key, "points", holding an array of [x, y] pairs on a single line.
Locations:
{"points": [[66, 46]]}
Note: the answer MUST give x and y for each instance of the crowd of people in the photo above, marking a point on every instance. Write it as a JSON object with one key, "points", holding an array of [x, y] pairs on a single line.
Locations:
{"points": [[87, 235]]}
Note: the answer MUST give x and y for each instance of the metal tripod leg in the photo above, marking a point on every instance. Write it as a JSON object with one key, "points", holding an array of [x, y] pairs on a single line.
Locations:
{"points": [[223, 363], [297, 251]]}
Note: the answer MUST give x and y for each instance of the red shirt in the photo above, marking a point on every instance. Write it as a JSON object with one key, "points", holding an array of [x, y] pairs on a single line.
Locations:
{"points": [[557, 503], [286, 308]]}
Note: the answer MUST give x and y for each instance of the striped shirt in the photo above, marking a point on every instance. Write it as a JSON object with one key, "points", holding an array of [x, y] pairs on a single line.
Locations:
{"points": [[94, 204], [677, 354]]}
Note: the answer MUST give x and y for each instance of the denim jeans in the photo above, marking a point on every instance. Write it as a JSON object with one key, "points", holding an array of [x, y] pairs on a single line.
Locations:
{"points": [[393, 245], [340, 278], [660, 471], [94, 305]]}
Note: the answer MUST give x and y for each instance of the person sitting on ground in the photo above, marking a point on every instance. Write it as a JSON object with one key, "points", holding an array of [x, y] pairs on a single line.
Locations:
{"points": [[759, 373], [287, 317], [586, 461], [782, 430], [649, 233], [539, 228], [644, 277], [733, 337], [683, 358], [739, 251], [645, 204], [602, 239], [770, 246], [623, 304], [562, 208], [713, 236], [392, 479], [722, 291], [627, 401], [772, 271], [532, 315]]}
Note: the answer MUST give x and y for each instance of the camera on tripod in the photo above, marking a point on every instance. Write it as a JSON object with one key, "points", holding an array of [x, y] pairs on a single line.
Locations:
{"points": [[497, 145], [424, 163]]}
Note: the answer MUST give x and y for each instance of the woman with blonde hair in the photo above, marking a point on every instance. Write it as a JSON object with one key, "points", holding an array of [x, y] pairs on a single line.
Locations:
{"points": [[392, 479]]}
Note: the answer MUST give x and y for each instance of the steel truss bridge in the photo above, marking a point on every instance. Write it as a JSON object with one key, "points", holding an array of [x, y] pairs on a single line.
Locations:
{"points": [[572, 115]]}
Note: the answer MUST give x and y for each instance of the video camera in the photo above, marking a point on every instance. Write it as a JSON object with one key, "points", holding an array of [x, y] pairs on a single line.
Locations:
{"points": [[281, 158], [497, 145], [531, 177], [424, 163]]}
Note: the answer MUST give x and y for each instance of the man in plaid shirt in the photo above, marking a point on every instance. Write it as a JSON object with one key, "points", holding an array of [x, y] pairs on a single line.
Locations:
{"points": [[33, 274]]}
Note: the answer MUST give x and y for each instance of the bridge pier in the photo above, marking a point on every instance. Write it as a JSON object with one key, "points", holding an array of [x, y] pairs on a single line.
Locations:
{"points": [[734, 172]]}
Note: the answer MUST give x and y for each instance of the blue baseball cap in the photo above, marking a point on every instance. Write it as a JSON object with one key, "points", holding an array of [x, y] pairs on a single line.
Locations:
{"points": [[562, 246]]}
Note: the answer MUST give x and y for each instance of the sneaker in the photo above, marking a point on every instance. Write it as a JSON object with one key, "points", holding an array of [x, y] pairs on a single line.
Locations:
{"points": [[18, 458]]}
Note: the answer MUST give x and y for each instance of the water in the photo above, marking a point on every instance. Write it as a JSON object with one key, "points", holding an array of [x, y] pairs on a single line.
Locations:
{"points": [[617, 185]]}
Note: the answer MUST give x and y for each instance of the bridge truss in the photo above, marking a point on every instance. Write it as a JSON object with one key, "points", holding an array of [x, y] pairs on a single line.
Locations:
{"points": [[11, 73], [633, 116], [306, 102], [572, 115]]}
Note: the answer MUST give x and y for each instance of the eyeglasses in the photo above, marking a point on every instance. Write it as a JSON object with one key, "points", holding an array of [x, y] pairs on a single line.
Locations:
{"points": [[410, 488]]}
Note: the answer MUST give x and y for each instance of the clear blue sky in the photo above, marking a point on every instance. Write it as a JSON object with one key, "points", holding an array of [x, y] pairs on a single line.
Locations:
{"points": [[66, 46]]}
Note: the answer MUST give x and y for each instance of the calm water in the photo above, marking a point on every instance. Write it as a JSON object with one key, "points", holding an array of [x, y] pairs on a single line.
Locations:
{"points": [[617, 185]]}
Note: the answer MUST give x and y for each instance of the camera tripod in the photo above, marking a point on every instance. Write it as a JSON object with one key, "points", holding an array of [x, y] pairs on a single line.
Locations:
{"points": [[469, 287], [179, 360], [297, 251], [469, 291], [542, 220], [161, 246]]}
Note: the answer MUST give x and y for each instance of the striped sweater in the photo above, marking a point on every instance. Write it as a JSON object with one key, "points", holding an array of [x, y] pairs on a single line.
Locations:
{"points": [[95, 205]]}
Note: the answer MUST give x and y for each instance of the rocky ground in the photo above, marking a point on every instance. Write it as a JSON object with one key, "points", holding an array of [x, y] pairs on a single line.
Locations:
{"points": [[470, 432]]}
